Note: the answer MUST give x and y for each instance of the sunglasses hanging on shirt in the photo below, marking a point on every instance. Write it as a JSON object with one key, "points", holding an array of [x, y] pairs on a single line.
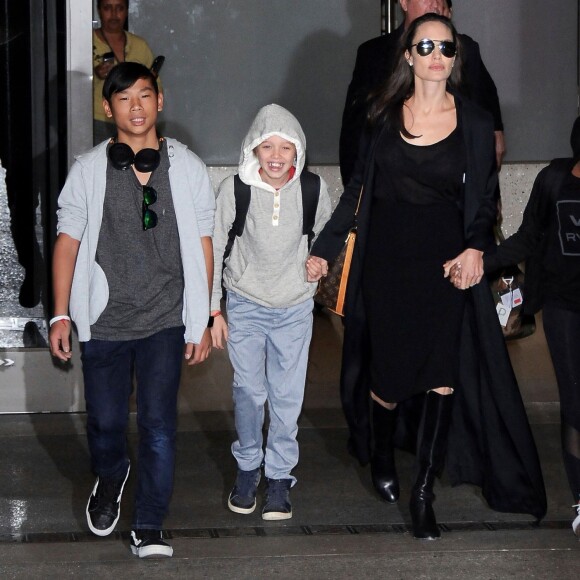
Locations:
{"points": [[122, 157]]}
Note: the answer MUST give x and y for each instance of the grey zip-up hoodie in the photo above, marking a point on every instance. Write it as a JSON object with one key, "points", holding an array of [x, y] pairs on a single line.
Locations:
{"points": [[267, 262], [81, 212]]}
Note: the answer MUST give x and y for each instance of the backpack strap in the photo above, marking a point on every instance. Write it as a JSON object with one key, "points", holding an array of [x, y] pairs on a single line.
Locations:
{"points": [[310, 185], [242, 194]]}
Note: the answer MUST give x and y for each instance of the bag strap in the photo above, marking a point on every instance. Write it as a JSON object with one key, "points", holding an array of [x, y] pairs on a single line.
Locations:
{"points": [[359, 200], [355, 225]]}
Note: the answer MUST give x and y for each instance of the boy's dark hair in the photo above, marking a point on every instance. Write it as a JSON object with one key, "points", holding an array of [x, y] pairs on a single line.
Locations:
{"points": [[125, 75]]}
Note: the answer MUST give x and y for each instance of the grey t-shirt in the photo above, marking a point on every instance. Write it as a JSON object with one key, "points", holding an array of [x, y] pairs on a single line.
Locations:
{"points": [[143, 268]]}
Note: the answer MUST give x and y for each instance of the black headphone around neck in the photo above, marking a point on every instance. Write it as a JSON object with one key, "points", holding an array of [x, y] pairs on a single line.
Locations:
{"points": [[122, 157]]}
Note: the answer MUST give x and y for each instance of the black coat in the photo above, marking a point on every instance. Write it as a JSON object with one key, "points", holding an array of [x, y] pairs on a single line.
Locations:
{"points": [[490, 442], [374, 64]]}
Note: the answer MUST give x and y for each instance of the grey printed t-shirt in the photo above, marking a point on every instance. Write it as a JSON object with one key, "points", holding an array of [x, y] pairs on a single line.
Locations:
{"points": [[143, 268]]}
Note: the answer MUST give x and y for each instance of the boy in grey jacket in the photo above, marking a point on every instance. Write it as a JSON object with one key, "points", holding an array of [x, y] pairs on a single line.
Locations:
{"points": [[132, 265], [269, 306]]}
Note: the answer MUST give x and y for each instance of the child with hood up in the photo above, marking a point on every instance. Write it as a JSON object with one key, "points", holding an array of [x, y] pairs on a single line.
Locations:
{"points": [[269, 304]]}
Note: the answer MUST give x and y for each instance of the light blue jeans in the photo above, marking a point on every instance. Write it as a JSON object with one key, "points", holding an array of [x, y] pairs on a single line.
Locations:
{"points": [[268, 348]]}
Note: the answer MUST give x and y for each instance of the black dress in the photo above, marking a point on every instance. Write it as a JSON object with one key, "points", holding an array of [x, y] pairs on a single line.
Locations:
{"points": [[414, 314]]}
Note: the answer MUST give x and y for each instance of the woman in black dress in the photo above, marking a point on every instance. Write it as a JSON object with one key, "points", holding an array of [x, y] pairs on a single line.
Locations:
{"points": [[429, 180]]}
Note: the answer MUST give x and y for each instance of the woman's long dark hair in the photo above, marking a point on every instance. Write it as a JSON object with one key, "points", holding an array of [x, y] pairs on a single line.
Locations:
{"points": [[388, 100]]}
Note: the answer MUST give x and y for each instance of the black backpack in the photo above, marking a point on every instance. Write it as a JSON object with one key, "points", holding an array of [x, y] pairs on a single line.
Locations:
{"points": [[310, 185]]}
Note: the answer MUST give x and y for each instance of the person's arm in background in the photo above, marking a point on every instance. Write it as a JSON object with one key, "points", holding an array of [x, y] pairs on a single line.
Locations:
{"points": [[354, 114], [374, 62], [481, 89]]}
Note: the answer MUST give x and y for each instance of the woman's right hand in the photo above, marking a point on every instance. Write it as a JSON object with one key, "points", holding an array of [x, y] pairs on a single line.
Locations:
{"points": [[219, 332]]}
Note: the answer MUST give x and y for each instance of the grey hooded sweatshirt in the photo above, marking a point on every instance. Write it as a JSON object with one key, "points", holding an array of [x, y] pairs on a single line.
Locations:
{"points": [[267, 262]]}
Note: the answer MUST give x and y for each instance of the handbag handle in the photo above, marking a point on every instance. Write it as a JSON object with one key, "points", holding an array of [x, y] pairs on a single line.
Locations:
{"points": [[359, 200], [354, 225]]}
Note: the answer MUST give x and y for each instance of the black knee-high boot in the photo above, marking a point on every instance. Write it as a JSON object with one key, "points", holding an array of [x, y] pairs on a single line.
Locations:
{"points": [[383, 472], [431, 449]]}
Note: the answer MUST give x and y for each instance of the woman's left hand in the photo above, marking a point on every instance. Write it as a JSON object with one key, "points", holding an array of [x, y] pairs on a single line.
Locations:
{"points": [[465, 270]]}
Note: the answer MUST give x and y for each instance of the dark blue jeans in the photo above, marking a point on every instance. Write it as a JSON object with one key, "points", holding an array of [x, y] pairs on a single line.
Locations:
{"points": [[108, 373]]}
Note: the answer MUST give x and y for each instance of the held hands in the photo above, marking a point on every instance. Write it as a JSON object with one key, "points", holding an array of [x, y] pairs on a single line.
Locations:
{"points": [[197, 353], [316, 268], [59, 338], [465, 270], [219, 333]]}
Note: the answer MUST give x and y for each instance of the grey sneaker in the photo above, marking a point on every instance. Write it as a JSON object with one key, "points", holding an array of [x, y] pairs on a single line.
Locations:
{"points": [[242, 498], [103, 507], [277, 505]]}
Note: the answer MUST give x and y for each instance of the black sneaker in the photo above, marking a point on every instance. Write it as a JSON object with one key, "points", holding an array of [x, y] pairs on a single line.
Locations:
{"points": [[277, 506], [150, 544], [104, 503], [242, 498]]}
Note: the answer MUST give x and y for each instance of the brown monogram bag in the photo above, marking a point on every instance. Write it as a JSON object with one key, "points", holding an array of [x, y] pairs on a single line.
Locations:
{"points": [[332, 288]]}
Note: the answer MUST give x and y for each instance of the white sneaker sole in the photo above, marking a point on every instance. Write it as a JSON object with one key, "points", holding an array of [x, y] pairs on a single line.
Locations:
{"points": [[152, 551], [276, 516], [106, 532], [239, 510], [576, 526]]}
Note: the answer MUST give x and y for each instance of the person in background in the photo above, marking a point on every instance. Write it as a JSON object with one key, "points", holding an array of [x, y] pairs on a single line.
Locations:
{"points": [[549, 240], [112, 44], [132, 267], [374, 64], [414, 345], [269, 304]]}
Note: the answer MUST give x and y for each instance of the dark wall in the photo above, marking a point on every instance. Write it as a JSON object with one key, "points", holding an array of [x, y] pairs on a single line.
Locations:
{"points": [[531, 50], [226, 59]]}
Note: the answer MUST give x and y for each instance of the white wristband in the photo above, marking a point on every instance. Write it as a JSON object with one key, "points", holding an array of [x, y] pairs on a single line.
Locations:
{"points": [[57, 318]]}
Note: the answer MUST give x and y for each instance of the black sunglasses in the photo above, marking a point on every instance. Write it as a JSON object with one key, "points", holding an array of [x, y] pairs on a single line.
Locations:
{"points": [[149, 216], [426, 46]]}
